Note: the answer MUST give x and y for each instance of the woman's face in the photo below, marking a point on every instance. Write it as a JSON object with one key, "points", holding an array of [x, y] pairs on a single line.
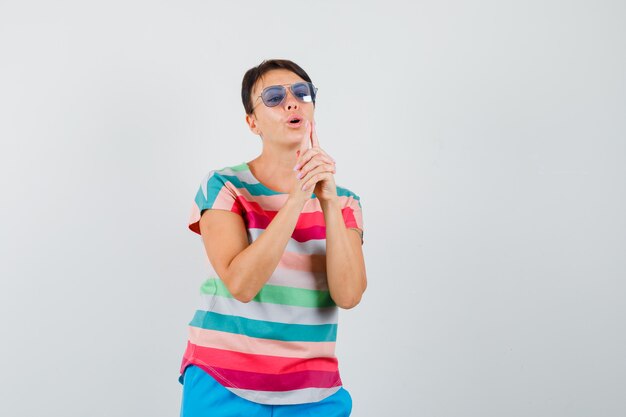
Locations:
{"points": [[272, 123]]}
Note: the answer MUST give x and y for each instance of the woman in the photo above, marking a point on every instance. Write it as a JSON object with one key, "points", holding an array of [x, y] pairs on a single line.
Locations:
{"points": [[284, 255]]}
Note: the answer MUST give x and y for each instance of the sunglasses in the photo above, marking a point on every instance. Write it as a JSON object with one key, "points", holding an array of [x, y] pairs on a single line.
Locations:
{"points": [[275, 94]]}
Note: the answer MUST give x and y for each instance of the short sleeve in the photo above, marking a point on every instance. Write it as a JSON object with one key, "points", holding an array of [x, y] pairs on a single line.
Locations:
{"points": [[353, 215], [215, 192]]}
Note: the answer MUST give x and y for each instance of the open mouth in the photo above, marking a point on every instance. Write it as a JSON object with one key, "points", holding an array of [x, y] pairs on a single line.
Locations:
{"points": [[295, 122]]}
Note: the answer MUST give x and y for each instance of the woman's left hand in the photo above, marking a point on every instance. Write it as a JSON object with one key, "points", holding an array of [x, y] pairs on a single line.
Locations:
{"points": [[316, 168]]}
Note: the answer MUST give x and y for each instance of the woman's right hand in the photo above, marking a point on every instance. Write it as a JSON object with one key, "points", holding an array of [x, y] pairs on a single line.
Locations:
{"points": [[307, 142]]}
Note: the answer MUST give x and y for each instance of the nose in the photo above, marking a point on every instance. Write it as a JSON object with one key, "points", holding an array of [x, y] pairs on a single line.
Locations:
{"points": [[290, 102]]}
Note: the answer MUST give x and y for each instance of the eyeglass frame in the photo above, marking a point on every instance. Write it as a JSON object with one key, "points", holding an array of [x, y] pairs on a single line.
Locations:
{"points": [[315, 89]]}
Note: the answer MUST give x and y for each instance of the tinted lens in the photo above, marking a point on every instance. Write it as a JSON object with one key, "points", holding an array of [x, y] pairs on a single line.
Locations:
{"points": [[303, 91], [273, 96]]}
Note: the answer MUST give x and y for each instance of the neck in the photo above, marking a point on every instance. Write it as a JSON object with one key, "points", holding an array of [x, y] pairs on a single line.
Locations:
{"points": [[275, 169]]}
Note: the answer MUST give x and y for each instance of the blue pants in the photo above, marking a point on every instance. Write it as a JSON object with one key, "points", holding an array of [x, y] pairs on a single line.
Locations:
{"points": [[203, 396]]}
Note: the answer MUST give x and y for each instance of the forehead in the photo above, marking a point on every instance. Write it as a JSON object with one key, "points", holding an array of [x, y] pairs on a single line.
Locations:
{"points": [[275, 77]]}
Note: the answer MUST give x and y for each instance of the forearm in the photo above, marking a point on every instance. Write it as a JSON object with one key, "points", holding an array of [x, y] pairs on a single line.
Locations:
{"points": [[345, 268], [253, 266]]}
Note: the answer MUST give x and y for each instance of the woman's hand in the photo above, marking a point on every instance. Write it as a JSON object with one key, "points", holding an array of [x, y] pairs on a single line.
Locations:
{"points": [[315, 167]]}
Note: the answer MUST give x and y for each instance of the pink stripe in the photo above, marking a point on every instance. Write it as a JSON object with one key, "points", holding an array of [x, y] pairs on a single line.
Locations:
{"points": [[309, 233], [245, 344], [226, 199], [265, 364], [187, 356], [310, 225], [352, 218], [303, 262], [261, 206], [267, 382], [223, 201], [307, 221], [255, 202]]}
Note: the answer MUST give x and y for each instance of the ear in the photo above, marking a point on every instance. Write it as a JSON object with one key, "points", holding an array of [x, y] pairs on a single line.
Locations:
{"points": [[251, 121]]}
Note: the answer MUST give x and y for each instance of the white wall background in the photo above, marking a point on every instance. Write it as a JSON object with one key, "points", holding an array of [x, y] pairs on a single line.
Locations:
{"points": [[487, 140]]}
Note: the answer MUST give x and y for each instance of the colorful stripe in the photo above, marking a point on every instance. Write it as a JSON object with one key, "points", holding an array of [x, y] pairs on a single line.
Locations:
{"points": [[266, 311], [298, 396], [247, 344], [264, 364], [271, 382], [275, 294], [308, 247], [265, 329], [300, 279]]}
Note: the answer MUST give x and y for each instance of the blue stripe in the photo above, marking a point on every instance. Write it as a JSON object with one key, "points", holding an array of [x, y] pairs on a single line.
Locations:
{"points": [[264, 329], [214, 185], [260, 189]]}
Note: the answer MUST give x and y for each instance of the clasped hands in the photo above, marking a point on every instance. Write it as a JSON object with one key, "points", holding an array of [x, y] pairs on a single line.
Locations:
{"points": [[314, 168]]}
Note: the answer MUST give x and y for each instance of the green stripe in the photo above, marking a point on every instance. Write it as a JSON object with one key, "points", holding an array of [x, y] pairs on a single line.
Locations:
{"points": [[238, 168], [275, 294], [265, 329]]}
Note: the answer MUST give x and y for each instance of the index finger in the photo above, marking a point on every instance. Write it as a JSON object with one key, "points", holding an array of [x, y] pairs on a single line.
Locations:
{"points": [[306, 139], [314, 140]]}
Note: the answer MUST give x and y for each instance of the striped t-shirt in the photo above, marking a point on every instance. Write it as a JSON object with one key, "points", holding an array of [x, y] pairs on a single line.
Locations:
{"points": [[280, 347]]}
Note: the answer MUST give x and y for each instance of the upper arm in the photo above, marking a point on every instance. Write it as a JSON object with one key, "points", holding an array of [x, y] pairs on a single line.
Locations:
{"points": [[224, 235], [356, 242]]}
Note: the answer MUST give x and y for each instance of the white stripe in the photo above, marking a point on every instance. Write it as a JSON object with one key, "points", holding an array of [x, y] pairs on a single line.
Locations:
{"points": [[299, 279], [288, 278], [278, 313], [305, 395], [310, 247]]}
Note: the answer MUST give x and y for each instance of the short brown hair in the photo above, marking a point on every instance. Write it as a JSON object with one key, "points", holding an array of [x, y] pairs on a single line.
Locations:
{"points": [[253, 74]]}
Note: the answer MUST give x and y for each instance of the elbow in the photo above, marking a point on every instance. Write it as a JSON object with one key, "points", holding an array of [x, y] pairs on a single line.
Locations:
{"points": [[240, 292], [239, 288], [243, 295], [243, 299], [348, 303]]}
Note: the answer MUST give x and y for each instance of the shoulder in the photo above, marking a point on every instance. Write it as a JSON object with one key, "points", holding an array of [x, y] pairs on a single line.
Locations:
{"points": [[227, 171], [225, 180], [223, 175], [232, 170]]}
